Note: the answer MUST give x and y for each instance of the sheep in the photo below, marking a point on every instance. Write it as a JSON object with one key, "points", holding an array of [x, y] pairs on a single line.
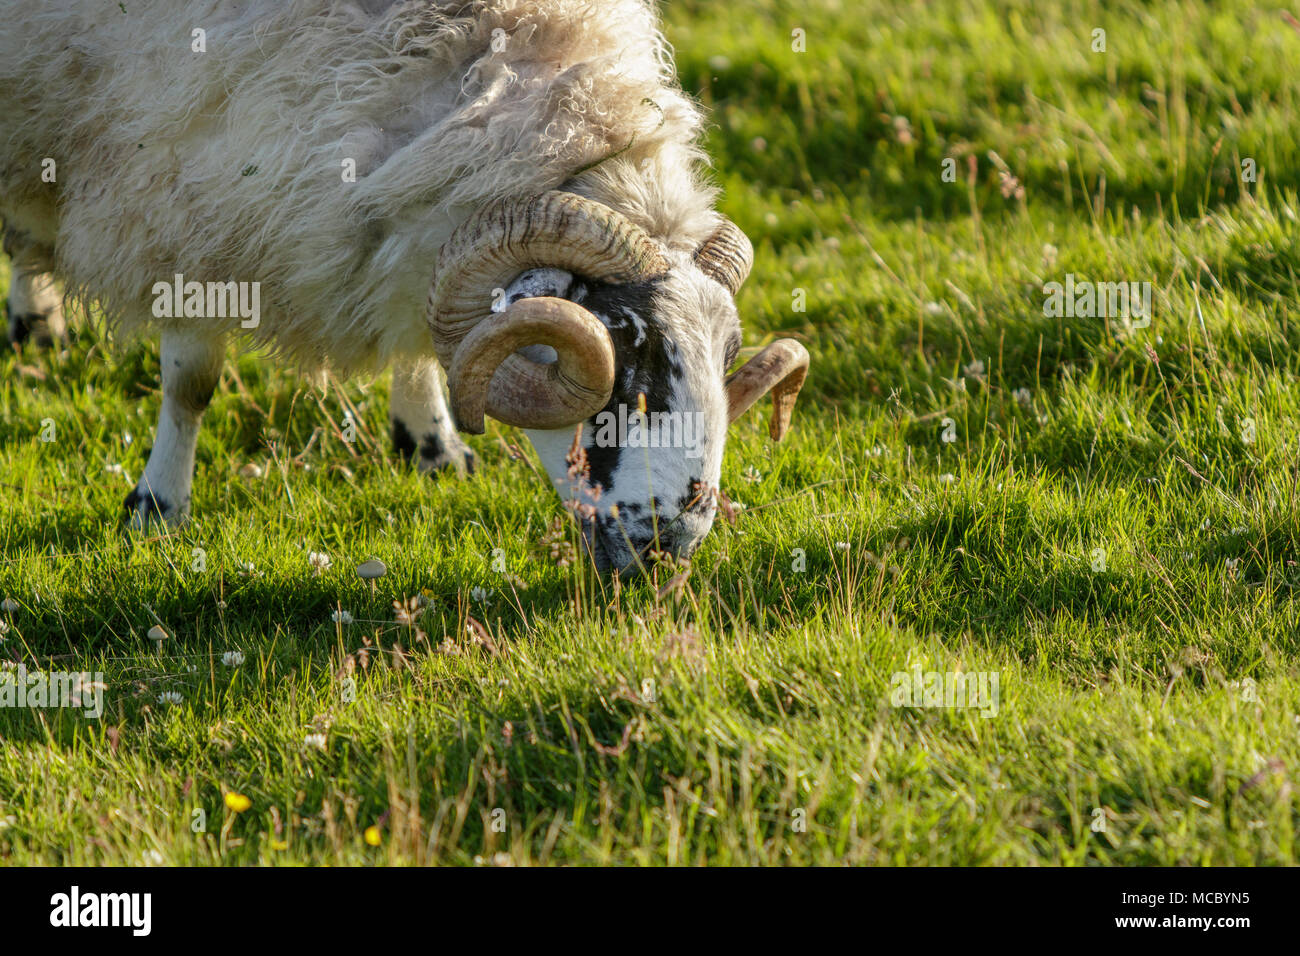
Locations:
{"points": [[33, 308], [511, 191]]}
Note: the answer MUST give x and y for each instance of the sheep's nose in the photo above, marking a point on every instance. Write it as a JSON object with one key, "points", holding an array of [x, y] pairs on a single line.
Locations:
{"points": [[615, 550], [676, 539], [666, 544]]}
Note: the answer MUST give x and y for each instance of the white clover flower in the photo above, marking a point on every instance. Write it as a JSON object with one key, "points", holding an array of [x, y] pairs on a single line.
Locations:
{"points": [[480, 594], [1022, 396], [933, 309], [232, 658], [170, 697], [841, 546], [4, 629], [752, 474], [315, 740], [319, 561], [947, 478], [975, 369], [341, 617]]}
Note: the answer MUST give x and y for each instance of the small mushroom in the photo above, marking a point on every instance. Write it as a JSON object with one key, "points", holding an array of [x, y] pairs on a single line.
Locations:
{"points": [[157, 635], [374, 568], [371, 571]]}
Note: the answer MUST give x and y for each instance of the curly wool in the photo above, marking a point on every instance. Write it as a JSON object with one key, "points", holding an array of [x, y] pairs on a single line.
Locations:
{"points": [[227, 164]]}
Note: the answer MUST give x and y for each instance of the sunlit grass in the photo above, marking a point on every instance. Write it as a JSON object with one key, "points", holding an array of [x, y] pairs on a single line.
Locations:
{"points": [[1112, 528]]}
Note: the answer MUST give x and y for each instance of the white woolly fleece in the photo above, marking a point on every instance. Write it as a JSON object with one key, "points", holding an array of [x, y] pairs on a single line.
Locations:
{"points": [[227, 164]]}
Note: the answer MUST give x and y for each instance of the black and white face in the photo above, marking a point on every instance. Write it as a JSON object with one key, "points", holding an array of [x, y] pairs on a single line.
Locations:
{"points": [[649, 481]]}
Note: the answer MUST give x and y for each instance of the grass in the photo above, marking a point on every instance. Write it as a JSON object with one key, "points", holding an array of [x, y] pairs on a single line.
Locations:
{"points": [[1112, 529]]}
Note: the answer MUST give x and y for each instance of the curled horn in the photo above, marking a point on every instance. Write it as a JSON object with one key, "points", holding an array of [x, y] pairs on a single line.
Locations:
{"points": [[479, 347], [726, 256], [780, 369], [488, 378]]}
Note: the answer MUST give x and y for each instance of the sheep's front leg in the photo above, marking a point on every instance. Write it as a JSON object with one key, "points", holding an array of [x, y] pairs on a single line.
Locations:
{"points": [[191, 364], [34, 309], [421, 423]]}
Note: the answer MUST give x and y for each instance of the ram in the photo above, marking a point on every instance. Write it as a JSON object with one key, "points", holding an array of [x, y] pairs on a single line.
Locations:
{"points": [[511, 190]]}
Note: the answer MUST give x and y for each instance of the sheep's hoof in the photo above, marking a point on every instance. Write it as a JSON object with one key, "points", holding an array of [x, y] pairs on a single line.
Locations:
{"points": [[434, 454], [457, 459], [40, 330], [146, 510]]}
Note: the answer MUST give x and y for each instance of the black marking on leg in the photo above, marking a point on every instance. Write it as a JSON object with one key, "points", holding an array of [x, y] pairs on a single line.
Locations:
{"points": [[153, 507], [403, 443], [435, 452], [432, 449], [439, 454]]}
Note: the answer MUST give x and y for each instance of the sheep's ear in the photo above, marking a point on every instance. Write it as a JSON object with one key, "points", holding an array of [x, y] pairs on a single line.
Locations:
{"points": [[726, 256], [535, 283]]}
